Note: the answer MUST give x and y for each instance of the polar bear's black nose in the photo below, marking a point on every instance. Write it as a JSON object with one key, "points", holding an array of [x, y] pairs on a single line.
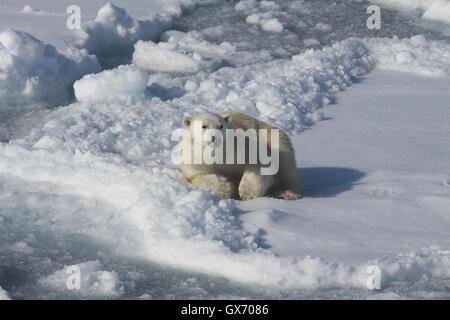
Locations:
{"points": [[213, 138]]}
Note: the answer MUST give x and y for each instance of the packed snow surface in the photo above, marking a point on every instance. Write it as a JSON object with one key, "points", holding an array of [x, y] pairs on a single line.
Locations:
{"points": [[90, 186]]}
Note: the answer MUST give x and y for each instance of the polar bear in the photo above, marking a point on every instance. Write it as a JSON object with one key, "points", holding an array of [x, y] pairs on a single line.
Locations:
{"points": [[238, 179]]}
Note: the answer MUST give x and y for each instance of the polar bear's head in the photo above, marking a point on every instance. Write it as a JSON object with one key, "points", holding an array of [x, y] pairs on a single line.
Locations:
{"points": [[207, 127]]}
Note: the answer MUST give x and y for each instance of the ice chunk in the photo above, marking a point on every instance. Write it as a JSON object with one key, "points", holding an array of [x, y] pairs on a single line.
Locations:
{"points": [[163, 57], [428, 9], [245, 5], [34, 72], [181, 52], [266, 21], [21, 247], [4, 295], [438, 10], [311, 42], [272, 25], [113, 33], [112, 84], [252, 19], [323, 27], [28, 9]]}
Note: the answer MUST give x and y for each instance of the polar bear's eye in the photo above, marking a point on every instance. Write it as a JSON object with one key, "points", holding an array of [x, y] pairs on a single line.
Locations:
{"points": [[221, 127], [203, 127]]}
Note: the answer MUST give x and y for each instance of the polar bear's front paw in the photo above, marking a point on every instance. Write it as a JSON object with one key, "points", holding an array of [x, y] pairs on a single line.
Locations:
{"points": [[248, 189], [288, 195], [225, 189], [254, 185], [245, 194], [219, 186]]}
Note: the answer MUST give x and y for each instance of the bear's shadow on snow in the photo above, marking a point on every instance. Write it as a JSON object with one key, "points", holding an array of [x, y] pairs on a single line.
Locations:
{"points": [[325, 182], [317, 182]]}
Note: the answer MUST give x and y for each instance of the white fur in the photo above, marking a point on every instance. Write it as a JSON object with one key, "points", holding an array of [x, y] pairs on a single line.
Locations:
{"points": [[241, 181]]}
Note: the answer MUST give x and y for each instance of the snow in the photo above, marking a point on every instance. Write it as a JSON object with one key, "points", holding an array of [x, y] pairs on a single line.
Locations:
{"points": [[252, 19], [51, 16], [388, 182], [412, 55], [112, 84], [265, 19], [287, 93], [438, 10], [180, 52], [34, 72], [245, 5], [272, 25], [112, 34], [29, 9], [21, 247], [91, 184], [164, 58], [428, 9], [4, 295], [311, 42], [190, 229], [431, 14], [323, 27]]}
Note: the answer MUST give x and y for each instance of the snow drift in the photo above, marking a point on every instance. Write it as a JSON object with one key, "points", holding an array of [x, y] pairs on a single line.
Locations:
{"points": [[161, 218], [113, 33], [416, 55], [34, 72]]}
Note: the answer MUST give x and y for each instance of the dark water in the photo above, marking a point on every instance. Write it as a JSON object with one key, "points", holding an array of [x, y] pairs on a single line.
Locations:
{"points": [[17, 122], [221, 22]]}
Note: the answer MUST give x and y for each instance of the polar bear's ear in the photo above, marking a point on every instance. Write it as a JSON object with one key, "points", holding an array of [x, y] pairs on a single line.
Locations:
{"points": [[226, 118], [186, 122]]}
